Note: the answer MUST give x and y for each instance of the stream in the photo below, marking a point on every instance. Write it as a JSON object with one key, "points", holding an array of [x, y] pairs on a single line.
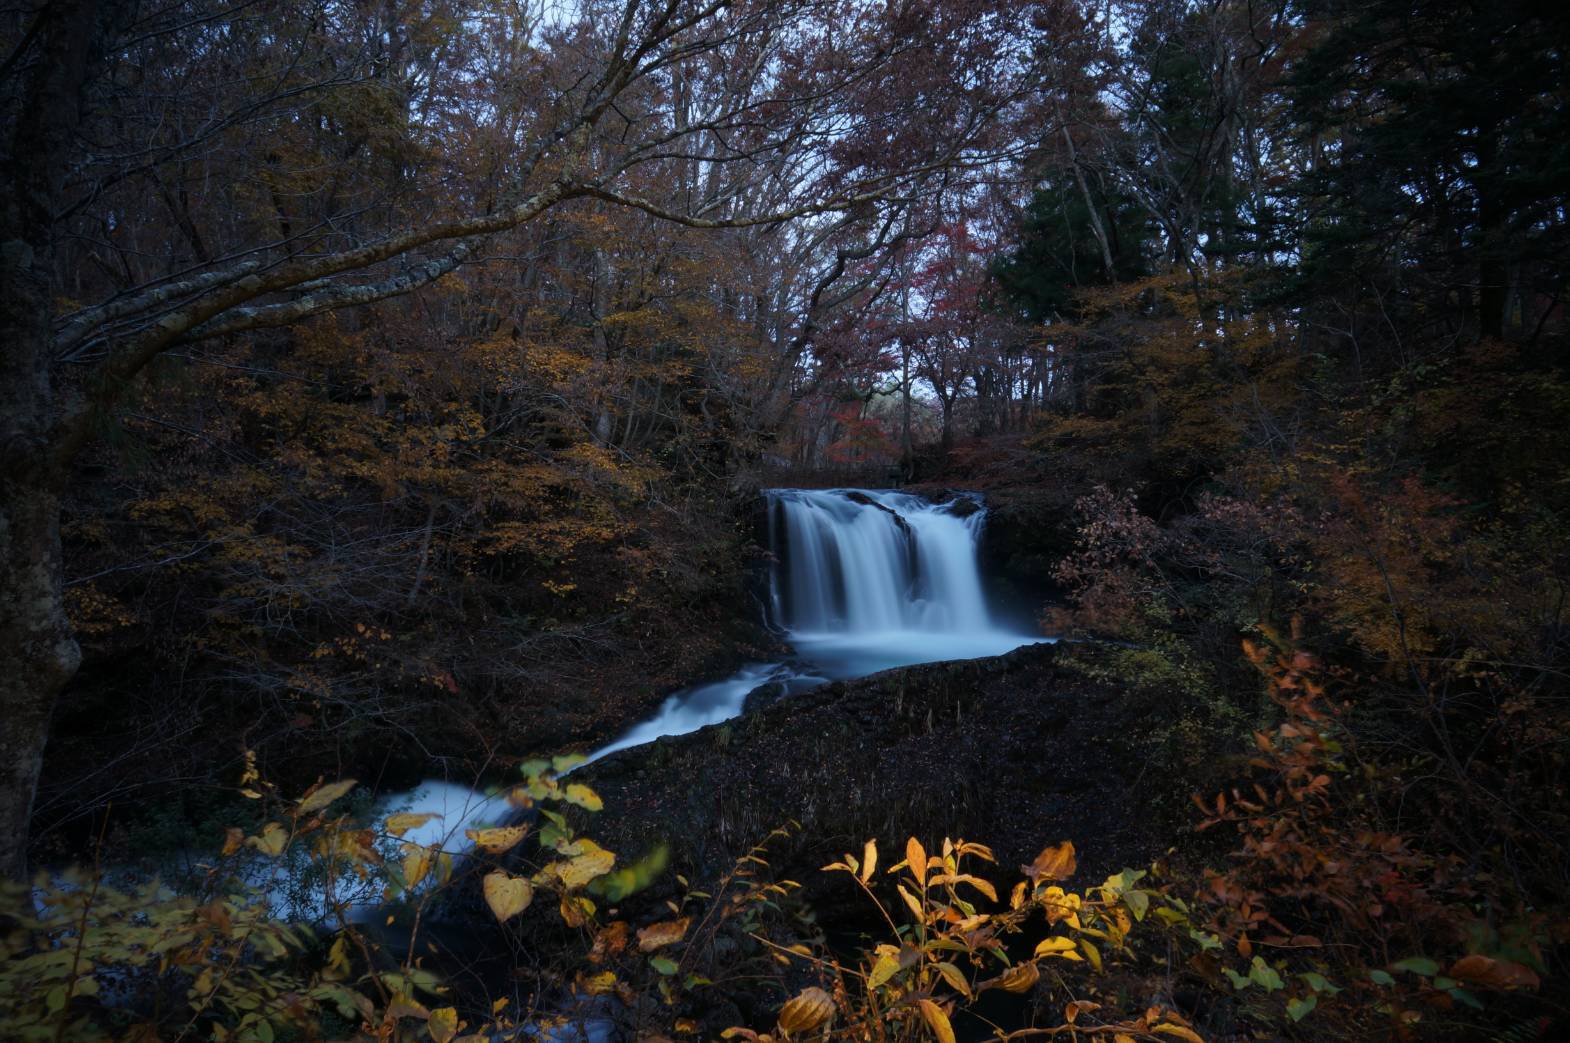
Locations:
{"points": [[861, 580]]}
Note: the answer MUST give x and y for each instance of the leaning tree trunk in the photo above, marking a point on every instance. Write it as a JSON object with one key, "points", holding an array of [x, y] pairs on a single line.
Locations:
{"points": [[38, 655]]}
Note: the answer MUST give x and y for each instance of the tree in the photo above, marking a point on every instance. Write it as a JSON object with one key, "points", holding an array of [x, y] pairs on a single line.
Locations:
{"points": [[308, 162], [1437, 187]]}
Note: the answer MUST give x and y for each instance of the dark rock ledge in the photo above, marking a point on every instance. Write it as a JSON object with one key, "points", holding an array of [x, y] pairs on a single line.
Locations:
{"points": [[1014, 752]]}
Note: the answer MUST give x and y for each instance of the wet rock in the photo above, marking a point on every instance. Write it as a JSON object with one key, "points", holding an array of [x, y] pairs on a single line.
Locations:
{"points": [[966, 504], [866, 501], [764, 696]]}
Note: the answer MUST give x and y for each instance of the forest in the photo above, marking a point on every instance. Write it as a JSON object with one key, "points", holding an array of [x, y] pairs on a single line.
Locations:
{"points": [[784, 521]]}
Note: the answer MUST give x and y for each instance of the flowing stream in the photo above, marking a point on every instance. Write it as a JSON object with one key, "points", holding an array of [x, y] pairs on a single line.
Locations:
{"points": [[862, 580]]}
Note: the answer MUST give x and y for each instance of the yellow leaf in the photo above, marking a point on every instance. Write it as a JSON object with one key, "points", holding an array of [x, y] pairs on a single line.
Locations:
{"points": [[1091, 953], [939, 1021], [660, 934], [955, 977], [1057, 946], [1054, 863], [321, 796], [416, 863], [869, 860], [599, 984], [808, 1009], [1061, 906], [496, 841], [443, 1024], [507, 895], [338, 958], [1166, 1028], [884, 968], [1021, 978], [271, 841], [401, 1006], [234, 839], [584, 797], [594, 862], [1120, 930], [979, 884], [576, 910], [401, 823], [910, 900], [916, 859]]}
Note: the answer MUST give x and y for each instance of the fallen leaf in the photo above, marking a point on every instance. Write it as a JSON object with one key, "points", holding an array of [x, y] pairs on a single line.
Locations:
{"points": [[660, 934], [1488, 973]]}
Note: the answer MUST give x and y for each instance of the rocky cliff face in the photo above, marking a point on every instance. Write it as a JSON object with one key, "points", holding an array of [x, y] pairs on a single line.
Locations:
{"points": [[1015, 752]]}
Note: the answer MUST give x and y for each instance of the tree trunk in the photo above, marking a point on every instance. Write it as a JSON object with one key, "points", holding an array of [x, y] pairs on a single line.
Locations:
{"points": [[600, 304], [38, 655], [37, 652], [907, 461], [1493, 266]]}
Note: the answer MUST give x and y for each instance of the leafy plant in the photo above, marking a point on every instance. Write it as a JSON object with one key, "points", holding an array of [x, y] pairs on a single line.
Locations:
{"points": [[944, 949]]}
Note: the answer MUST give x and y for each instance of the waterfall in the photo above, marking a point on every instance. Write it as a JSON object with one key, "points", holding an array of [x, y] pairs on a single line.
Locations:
{"points": [[862, 580], [861, 562]]}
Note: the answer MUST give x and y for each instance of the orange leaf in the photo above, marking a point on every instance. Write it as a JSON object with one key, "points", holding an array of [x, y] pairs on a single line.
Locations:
{"points": [[916, 858], [1488, 973], [1074, 1009], [660, 934], [1054, 863]]}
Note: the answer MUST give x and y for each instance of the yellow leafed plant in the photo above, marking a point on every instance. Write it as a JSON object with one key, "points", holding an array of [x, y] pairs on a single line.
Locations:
{"points": [[950, 941]]}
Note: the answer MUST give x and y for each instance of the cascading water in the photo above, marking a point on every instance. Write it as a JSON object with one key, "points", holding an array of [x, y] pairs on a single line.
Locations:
{"points": [[862, 580], [867, 580]]}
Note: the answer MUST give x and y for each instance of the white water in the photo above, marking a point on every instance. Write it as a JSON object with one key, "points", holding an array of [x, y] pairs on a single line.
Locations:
{"points": [[863, 580], [704, 704], [869, 580]]}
